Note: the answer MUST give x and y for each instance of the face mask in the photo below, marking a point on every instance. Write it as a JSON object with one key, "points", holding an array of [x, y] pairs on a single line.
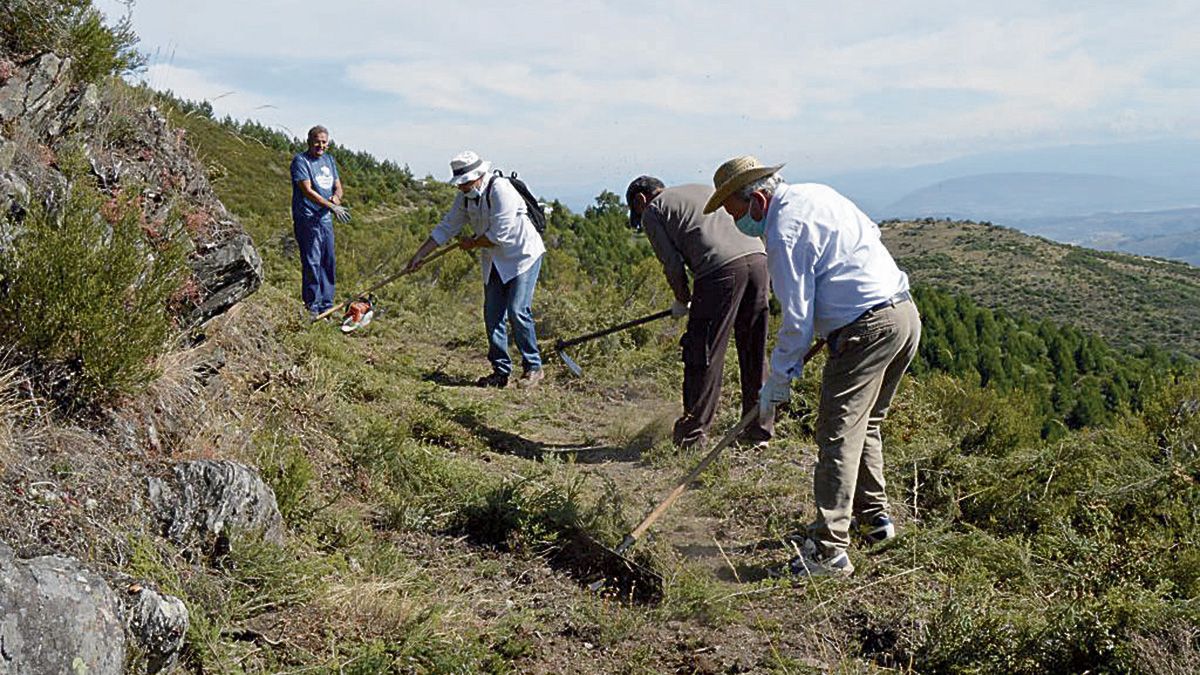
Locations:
{"points": [[751, 227], [474, 193]]}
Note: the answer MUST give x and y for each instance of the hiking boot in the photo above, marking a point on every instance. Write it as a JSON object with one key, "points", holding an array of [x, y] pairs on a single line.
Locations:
{"points": [[878, 529], [813, 563], [531, 378], [493, 381]]}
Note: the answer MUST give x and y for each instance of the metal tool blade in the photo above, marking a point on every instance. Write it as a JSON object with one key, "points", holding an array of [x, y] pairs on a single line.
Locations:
{"points": [[574, 367]]}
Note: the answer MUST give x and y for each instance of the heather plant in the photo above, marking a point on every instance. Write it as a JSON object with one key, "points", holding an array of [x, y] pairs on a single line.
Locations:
{"points": [[85, 289], [70, 28]]}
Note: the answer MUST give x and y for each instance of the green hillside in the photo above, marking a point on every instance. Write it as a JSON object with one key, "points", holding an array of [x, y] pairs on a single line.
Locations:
{"points": [[1128, 300], [1047, 484], [452, 507]]}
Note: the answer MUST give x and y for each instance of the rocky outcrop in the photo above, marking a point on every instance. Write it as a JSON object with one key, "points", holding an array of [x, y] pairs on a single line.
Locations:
{"points": [[57, 617], [227, 272], [209, 501], [127, 146], [35, 92], [158, 623]]}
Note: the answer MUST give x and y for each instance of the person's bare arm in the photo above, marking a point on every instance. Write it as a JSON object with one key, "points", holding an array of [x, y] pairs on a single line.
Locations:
{"points": [[307, 188]]}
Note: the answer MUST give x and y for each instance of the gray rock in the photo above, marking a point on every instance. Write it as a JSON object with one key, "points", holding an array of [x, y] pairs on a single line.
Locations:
{"points": [[40, 108], [14, 199], [158, 623], [228, 273], [82, 110], [35, 91], [57, 617], [206, 499], [12, 97]]}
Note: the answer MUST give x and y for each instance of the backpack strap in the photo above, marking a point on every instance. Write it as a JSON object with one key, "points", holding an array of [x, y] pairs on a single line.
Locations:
{"points": [[487, 193]]}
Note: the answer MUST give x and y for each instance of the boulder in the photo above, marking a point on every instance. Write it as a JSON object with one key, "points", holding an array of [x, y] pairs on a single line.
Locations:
{"points": [[207, 500], [158, 623], [57, 617], [41, 108]]}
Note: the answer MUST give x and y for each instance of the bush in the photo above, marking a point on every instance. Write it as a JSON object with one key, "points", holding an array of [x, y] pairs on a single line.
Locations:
{"points": [[70, 28], [85, 295]]}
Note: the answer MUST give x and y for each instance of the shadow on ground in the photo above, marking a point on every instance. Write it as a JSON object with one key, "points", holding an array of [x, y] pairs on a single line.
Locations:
{"points": [[509, 443]]}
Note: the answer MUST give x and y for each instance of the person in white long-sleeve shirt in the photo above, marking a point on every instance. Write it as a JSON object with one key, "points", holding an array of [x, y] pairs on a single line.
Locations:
{"points": [[511, 260], [836, 281]]}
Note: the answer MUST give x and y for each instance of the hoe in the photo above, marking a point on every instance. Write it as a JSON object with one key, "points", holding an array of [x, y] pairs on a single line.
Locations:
{"points": [[561, 345]]}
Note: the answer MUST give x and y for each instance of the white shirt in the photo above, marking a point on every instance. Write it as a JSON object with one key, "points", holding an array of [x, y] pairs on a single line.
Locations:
{"points": [[828, 265], [506, 224]]}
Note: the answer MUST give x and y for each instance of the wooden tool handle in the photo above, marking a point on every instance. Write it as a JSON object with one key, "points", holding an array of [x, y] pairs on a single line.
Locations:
{"points": [[680, 487]]}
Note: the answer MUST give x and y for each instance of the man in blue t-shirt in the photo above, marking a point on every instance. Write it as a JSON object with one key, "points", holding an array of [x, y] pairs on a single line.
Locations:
{"points": [[316, 201]]}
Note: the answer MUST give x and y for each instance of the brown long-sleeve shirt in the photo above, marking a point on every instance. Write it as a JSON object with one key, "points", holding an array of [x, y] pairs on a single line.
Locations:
{"points": [[683, 237]]}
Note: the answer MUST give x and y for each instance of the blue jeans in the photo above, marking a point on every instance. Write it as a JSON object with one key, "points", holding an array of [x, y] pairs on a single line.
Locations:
{"points": [[514, 299], [317, 266]]}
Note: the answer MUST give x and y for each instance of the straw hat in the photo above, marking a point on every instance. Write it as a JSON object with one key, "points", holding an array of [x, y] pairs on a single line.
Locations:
{"points": [[734, 175], [466, 167]]}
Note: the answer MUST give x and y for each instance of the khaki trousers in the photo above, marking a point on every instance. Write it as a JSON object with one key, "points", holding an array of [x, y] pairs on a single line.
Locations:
{"points": [[867, 358]]}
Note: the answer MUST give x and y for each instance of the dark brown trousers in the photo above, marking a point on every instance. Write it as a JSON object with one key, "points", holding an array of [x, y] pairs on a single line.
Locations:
{"points": [[733, 298]]}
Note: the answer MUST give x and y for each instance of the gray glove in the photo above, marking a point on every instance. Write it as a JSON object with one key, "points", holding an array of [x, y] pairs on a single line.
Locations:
{"points": [[679, 309], [341, 213]]}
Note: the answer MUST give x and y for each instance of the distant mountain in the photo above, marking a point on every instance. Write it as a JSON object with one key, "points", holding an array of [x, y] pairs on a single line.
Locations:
{"points": [[1008, 197], [1169, 162], [1129, 300], [1165, 234]]}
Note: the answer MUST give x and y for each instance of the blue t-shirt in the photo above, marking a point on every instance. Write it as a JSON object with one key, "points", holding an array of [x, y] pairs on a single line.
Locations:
{"points": [[321, 173]]}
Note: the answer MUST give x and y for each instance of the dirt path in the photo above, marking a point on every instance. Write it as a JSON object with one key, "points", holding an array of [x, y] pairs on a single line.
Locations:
{"points": [[720, 537]]}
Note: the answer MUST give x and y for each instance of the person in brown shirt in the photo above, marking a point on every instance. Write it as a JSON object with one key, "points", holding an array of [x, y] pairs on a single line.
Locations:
{"points": [[728, 292]]}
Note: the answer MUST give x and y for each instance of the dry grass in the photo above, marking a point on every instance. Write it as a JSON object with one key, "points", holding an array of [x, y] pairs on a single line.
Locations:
{"points": [[18, 412], [1172, 651]]}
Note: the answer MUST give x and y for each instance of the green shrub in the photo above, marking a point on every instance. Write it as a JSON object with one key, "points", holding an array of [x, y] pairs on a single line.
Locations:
{"points": [[70, 28], [85, 295], [525, 514]]}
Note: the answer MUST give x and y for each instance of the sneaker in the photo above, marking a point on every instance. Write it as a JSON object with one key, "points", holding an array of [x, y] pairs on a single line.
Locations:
{"points": [[493, 381], [531, 378], [811, 563], [878, 529]]}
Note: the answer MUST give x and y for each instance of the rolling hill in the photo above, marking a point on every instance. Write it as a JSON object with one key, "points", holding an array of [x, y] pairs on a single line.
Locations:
{"points": [[1131, 301], [1004, 197], [1171, 234]]}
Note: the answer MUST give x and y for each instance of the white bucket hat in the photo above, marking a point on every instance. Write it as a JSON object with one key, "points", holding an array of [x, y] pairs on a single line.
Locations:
{"points": [[466, 167]]}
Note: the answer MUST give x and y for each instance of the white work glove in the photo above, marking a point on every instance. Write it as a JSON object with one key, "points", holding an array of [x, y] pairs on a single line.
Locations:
{"points": [[777, 389], [679, 309], [341, 213]]}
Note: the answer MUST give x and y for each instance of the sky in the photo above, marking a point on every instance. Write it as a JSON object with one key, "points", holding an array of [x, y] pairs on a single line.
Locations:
{"points": [[580, 97]]}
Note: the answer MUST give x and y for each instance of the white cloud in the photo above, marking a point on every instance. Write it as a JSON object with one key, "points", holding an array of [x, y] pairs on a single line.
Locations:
{"points": [[620, 87], [194, 85]]}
